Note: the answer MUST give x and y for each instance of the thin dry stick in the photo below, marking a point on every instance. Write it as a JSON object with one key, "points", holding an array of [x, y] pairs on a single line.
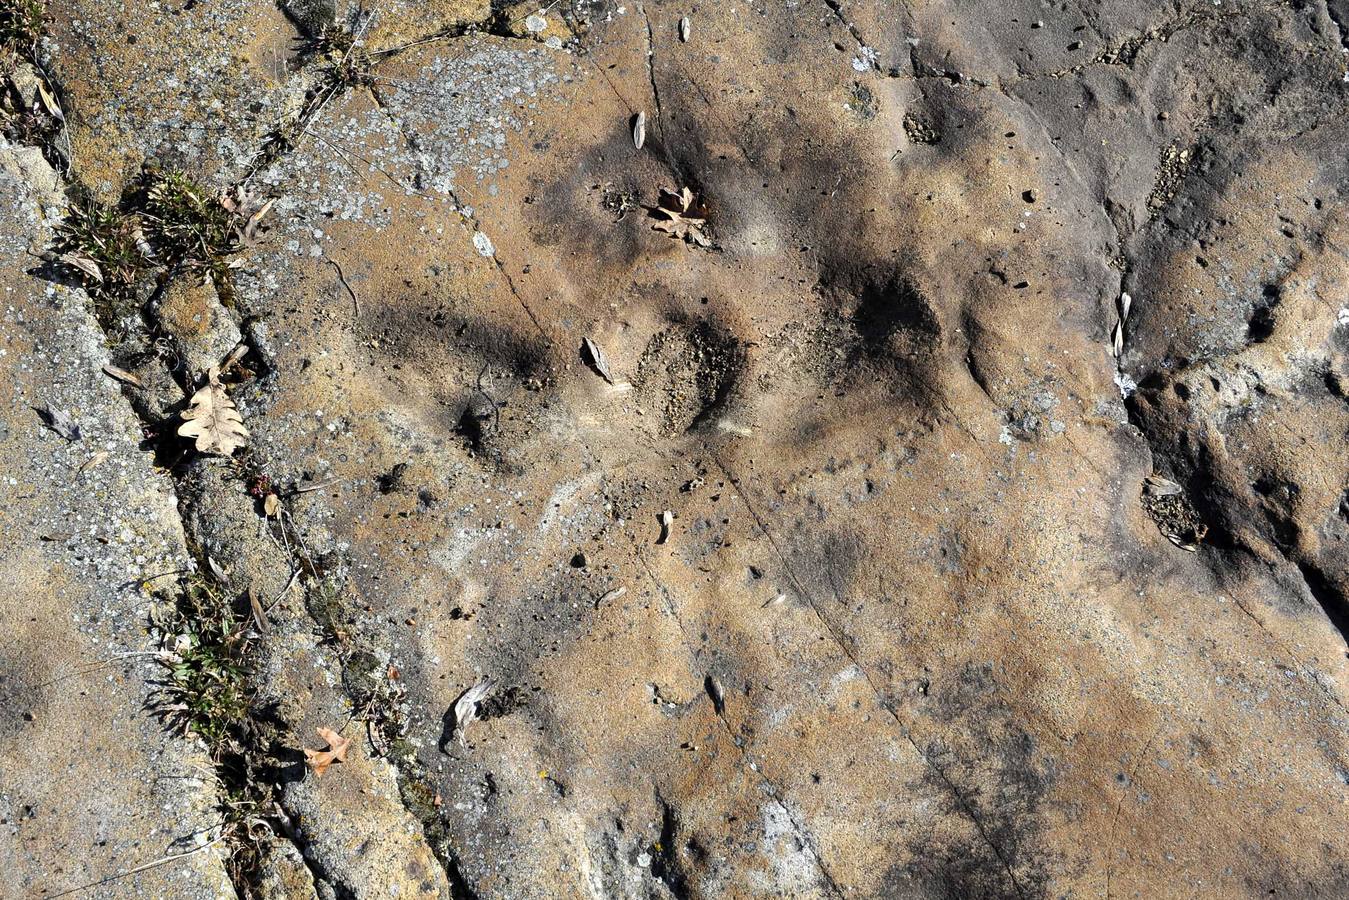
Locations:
{"points": [[355, 301], [162, 861], [101, 664]]}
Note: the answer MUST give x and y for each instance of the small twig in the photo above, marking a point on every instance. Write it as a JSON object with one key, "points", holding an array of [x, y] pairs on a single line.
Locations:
{"points": [[355, 301], [101, 664], [162, 861], [294, 574], [496, 407], [317, 486]]}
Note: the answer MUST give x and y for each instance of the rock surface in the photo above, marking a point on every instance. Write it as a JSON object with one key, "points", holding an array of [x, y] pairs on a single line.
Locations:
{"points": [[955, 507]]}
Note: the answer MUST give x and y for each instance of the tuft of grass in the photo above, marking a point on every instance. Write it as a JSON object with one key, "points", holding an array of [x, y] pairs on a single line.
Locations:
{"points": [[21, 23], [186, 222], [108, 236], [205, 690]]}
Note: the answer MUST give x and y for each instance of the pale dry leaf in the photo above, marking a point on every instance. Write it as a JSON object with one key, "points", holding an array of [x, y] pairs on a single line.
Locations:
{"points": [[1157, 486], [666, 519], [320, 760], [466, 707], [596, 358], [49, 103], [60, 421], [94, 461], [220, 572], [213, 421], [639, 130], [270, 505], [123, 376], [1181, 542], [1125, 303], [685, 29], [259, 614], [143, 245], [81, 263], [255, 220]]}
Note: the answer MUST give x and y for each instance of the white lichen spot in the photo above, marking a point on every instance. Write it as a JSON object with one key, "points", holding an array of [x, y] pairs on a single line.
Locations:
{"points": [[483, 243], [865, 59], [535, 23]]}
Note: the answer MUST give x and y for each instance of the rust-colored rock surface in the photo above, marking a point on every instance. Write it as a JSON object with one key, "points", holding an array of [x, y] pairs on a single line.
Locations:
{"points": [[819, 449]]}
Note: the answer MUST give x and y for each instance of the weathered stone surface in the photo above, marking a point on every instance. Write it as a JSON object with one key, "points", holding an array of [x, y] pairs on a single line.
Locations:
{"points": [[910, 629], [193, 86], [91, 786]]}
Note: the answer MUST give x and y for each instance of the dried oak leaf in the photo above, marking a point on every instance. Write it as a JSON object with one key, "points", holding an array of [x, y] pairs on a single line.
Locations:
{"points": [[320, 760], [213, 420], [677, 215]]}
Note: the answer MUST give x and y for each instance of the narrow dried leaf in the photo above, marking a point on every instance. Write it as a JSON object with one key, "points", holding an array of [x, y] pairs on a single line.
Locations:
{"points": [[213, 421], [255, 220], [1181, 542], [685, 29], [1157, 486], [639, 130], [59, 420], [666, 519], [49, 103], [466, 707], [1117, 339], [123, 376], [259, 614], [82, 263], [220, 573], [94, 461], [1125, 302], [320, 760], [596, 358]]}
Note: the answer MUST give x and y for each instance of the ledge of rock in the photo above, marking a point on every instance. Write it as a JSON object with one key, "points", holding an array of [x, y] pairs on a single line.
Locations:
{"points": [[822, 449]]}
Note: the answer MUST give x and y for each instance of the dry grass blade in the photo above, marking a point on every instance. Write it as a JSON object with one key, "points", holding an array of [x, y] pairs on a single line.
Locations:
{"points": [[123, 376]]}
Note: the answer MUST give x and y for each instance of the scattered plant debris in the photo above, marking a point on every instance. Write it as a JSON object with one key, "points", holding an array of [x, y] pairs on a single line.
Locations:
{"points": [[666, 519], [685, 29], [21, 23], [1176, 519]]}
